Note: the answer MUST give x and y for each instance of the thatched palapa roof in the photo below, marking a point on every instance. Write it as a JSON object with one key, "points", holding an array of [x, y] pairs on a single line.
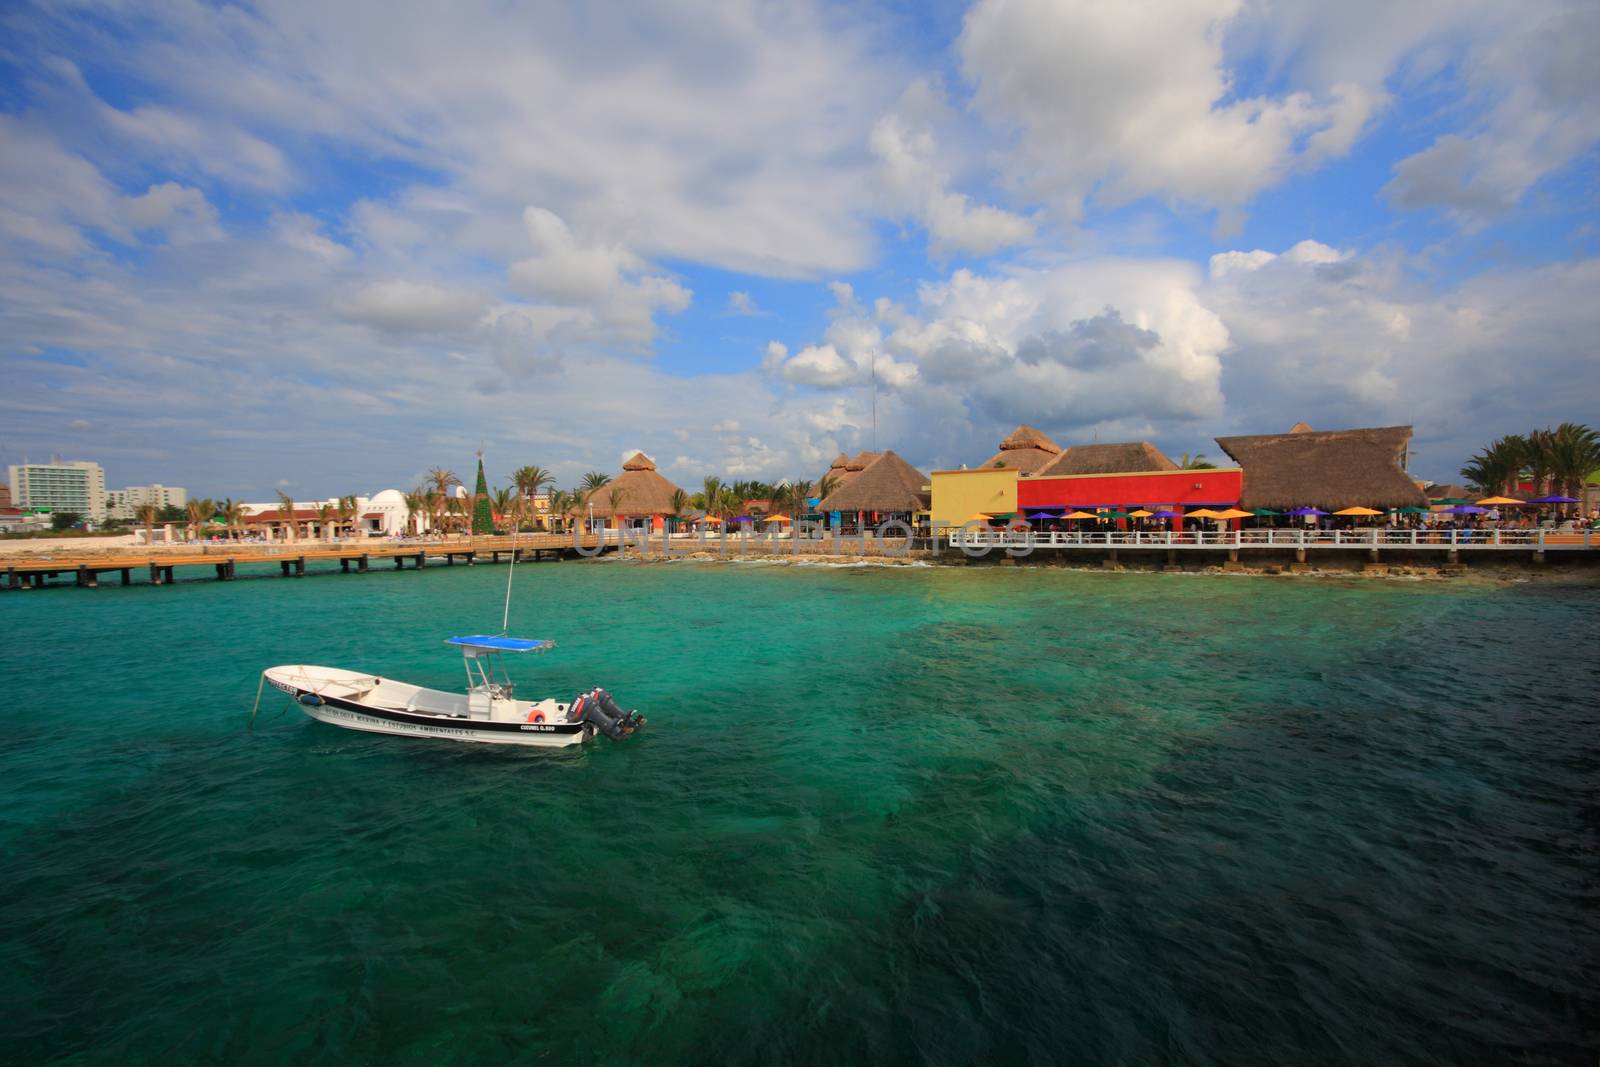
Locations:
{"points": [[1329, 469], [1025, 449], [644, 492], [837, 470], [888, 483], [846, 467], [1125, 458]]}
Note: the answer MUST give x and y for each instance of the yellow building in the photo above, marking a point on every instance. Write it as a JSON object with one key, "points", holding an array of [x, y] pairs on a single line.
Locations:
{"points": [[959, 496]]}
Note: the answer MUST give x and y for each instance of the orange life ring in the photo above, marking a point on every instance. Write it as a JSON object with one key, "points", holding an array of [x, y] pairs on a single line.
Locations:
{"points": [[536, 716]]}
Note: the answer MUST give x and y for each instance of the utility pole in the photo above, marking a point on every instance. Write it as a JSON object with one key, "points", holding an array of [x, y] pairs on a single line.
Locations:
{"points": [[874, 399]]}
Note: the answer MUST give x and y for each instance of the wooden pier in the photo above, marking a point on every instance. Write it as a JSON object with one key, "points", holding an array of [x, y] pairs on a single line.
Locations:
{"points": [[224, 560]]}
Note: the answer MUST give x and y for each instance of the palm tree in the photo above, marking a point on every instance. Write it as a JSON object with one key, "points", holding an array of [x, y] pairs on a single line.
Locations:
{"points": [[1495, 470], [1574, 454], [557, 503], [325, 515], [614, 498], [1197, 462], [433, 510], [826, 486], [286, 513], [711, 496], [441, 480], [200, 512], [529, 480], [680, 504], [415, 502], [347, 514], [507, 505], [148, 514], [233, 514], [799, 493], [1537, 458]]}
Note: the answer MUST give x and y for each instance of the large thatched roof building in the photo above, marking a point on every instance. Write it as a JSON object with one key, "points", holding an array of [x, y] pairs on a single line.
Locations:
{"points": [[1125, 458], [1329, 469], [837, 471], [887, 484], [844, 468], [641, 493], [1025, 449]]}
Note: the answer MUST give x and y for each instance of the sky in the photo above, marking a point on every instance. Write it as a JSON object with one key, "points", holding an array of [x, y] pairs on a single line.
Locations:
{"points": [[326, 247]]}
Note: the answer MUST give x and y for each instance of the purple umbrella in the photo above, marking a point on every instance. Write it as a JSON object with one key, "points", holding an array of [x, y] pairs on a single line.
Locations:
{"points": [[1168, 515], [1306, 511], [1467, 509], [1552, 500]]}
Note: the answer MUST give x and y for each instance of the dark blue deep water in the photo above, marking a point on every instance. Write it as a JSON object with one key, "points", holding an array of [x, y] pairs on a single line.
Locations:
{"points": [[887, 816]]}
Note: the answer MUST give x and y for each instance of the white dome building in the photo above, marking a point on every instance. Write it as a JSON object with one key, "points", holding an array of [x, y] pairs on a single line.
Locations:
{"points": [[386, 513]]}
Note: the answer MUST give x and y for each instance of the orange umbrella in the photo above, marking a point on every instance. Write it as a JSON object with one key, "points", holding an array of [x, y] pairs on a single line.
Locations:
{"points": [[1234, 513], [1497, 501], [709, 518], [1140, 514], [1080, 515], [777, 518], [1202, 513]]}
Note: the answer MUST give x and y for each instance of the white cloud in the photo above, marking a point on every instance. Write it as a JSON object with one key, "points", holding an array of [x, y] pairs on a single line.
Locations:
{"points": [[852, 353], [742, 303], [565, 270], [606, 278], [598, 117], [183, 214], [1123, 101], [918, 186], [215, 149], [403, 306]]}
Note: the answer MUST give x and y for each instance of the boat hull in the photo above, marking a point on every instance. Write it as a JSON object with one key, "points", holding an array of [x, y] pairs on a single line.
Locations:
{"points": [[439, 728]]}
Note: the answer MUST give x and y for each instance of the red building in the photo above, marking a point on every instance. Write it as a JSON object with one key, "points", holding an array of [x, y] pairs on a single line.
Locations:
{"points": [[1177, 490]]}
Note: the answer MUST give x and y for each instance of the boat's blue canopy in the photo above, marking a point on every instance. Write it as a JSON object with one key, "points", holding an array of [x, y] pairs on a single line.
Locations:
{"points": [[500, 644]]}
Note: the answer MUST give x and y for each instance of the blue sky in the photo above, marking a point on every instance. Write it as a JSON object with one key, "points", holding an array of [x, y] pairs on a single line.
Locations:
{"points": [[326, 248]]}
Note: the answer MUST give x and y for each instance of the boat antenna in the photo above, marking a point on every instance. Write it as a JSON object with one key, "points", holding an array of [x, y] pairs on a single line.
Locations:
{"points": [[505, 617]]}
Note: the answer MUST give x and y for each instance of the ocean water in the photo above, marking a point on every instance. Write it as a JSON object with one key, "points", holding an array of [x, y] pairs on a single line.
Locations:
{"points": [[879, 815]]}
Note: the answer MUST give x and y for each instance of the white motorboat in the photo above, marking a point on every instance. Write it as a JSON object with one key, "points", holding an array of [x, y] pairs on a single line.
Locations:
{"points": [[487, 712]]}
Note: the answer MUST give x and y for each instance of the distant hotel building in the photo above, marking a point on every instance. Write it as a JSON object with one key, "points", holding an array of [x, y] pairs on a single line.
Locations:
{"points": [[124, 503], [75, 487]]}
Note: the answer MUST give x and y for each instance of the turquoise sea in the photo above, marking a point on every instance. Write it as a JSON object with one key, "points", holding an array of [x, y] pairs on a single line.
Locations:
{"points": [[949, 816]]}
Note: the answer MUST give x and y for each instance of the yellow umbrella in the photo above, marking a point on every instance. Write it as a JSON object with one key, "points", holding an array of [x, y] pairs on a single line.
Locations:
{"points": [[1080, 515], [1202, 513], [1140, 514], [709, 518], [1366, 513], [1235, 513], [776, 518], [1498, 500]]}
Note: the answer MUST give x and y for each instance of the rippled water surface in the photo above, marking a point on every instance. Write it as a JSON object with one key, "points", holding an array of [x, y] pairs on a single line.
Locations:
{"points": [[942, 816]]}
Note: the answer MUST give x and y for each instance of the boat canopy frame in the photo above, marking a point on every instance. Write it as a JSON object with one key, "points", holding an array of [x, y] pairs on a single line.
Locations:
{"points": [[482, 656]]}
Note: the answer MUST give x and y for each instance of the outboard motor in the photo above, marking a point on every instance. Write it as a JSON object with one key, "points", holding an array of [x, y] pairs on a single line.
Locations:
{"points": [[598, 707]]}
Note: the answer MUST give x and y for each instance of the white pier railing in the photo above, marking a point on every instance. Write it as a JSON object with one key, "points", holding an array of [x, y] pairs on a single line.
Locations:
{"points": [[1421, 540]]}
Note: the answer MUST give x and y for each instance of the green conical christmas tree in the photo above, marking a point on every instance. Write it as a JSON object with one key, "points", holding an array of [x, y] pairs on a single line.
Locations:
{"points": [[482, 513]]}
